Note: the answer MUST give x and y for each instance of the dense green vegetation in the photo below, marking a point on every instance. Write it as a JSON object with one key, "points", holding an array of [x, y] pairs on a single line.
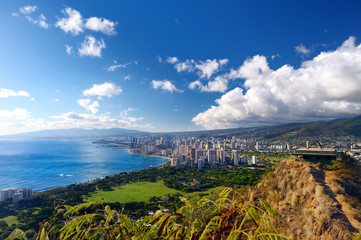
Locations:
{"points": [[132, 192], [229, 214], [186, 179], [42, 206], [10, 220]]}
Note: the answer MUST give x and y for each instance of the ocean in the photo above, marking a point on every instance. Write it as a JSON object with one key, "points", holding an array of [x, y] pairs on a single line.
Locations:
{"points": [[40, 164]]}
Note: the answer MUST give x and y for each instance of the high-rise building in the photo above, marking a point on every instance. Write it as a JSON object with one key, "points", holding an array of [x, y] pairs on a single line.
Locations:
{"points": [[191, 162], [12, 192], [4, 195], [193, 153], [254, 160], [201, 163], [17, 197], [245, 159], [211, 159], [221, 155], [235, 157], [27, 193], [199, 154], [233, 145], [183, 150]]}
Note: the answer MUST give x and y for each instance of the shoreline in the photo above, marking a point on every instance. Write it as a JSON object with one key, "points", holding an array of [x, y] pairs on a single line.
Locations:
{"points": [[129, 151], [65, 181], [89, 181]]}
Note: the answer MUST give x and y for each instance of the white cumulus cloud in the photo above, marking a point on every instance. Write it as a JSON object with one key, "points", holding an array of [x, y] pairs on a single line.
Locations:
{"points": [[5, 93], [40, 21], [72, 23], [105, 89], [219, 84], [204, 69], [88, 105], [187, 66], [301, 49], [101, 25], [91, 47], [209, 67], [172, 60], [165, 85], [28, 9], [325, 87]]}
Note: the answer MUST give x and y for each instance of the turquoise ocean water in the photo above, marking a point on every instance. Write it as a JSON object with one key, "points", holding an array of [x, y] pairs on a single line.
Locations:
{"points": [[46, 163]]}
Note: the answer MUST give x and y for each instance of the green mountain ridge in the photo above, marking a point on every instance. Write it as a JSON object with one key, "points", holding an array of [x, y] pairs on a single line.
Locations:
{"points": [[332, 128]]}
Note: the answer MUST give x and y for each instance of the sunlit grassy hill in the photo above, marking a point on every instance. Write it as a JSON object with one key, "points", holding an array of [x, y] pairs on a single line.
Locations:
{"points": [[314, 203]]}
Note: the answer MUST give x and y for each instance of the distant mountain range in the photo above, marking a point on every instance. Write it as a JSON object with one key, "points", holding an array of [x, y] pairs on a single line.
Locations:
{"points": [[334, 128], [77, 133]]}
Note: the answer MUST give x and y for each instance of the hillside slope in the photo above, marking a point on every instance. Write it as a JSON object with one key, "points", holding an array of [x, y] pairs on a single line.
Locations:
{"points": [[334, 128], [313, 203]]}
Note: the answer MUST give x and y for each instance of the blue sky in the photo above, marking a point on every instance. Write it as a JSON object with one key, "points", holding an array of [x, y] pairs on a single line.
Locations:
{"points": [[177, 65]]}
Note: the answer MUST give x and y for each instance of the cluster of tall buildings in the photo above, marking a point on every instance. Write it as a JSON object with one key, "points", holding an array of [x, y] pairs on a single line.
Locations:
{"points": [[214, 157], [15, 194], [197, 152]]}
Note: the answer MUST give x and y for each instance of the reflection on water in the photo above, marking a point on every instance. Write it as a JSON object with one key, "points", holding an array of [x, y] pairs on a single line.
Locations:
{"points": [[44, 163]]}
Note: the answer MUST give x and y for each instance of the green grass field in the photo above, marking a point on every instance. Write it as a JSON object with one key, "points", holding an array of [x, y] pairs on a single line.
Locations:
{"points": [[133, 192], [10, 220]]}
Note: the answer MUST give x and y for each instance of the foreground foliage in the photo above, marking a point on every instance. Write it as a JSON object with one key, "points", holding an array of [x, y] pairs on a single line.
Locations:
{"points": [[226, 215], [30, 213]]}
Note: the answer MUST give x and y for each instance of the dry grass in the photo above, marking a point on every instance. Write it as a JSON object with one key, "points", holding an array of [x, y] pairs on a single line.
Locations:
{"points": [[307, 202]]}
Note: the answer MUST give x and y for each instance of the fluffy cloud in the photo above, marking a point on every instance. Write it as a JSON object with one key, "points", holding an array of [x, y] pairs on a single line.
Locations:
{"points": [[40, 21], [325, 87], [172, 60], [5, 93], [91, 47], [105, 89], [90, 107], [16, 114], [209, 67], [101, 25], [219, 84], [301, 49], [72, 23], [28, 9], [187, 66], [204, 69], [165, 85]]}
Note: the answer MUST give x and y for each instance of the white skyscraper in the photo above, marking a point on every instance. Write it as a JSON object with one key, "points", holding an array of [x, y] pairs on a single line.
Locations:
{"points": [[4, 195], [235, 157], [254, 160]]}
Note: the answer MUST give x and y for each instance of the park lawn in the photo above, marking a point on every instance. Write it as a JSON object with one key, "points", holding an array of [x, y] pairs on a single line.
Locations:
{"points": [[132, 192], [10, 220]]}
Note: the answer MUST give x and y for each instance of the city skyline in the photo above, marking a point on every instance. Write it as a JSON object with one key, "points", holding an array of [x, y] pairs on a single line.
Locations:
{"points": [[177, 66]]}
